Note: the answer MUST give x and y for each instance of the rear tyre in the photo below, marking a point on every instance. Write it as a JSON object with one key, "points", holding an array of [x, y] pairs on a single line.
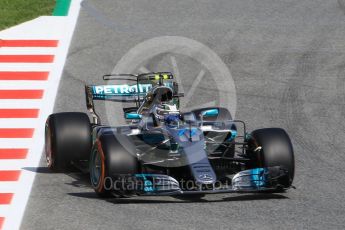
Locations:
{"points": [[110, 160], [276, 150], [67, 139]]}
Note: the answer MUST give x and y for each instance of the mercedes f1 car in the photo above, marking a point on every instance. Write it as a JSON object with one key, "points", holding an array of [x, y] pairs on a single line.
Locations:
{"points": [[162, 150]]}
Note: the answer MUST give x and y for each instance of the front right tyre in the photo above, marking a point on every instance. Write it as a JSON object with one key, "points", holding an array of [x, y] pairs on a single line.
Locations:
{"points": [[67, 139]]}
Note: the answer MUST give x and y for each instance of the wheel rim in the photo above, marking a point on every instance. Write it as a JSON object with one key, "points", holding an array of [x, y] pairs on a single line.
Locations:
{"points": [[48, 147], [96, 168]]}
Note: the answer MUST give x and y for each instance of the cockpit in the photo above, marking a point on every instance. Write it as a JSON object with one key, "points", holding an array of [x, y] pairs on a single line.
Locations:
{"points": [[160, 96]]}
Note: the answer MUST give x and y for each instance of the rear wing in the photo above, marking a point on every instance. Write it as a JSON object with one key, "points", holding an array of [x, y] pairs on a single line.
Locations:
{"points": [[123, 93], [127, 92]]}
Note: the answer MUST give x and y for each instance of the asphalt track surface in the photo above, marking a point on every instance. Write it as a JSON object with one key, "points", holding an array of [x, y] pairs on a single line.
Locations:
{"points": [[287, 59]]}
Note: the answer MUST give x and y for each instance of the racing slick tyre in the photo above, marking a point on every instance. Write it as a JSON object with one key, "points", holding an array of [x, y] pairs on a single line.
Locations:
{"points": [[67, 139], [272, 147], [109, 161]]}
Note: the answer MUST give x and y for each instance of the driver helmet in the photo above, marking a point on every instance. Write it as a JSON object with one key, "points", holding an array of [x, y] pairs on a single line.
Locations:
{"points": [[162, 110]]}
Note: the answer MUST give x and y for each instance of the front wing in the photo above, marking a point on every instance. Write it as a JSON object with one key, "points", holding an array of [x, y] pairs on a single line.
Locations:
{"points": [[247, 181]]}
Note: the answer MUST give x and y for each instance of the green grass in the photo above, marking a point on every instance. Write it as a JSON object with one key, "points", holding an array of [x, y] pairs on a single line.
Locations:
{"points": [[13, 12]]}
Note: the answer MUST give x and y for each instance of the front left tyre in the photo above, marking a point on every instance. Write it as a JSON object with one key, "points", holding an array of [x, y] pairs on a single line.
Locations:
{"points": [[112, 157]]}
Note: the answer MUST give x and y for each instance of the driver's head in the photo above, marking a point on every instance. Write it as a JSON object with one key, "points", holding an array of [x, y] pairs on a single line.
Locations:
{"points": [[163, 102], [163, 94], [161, 110]]}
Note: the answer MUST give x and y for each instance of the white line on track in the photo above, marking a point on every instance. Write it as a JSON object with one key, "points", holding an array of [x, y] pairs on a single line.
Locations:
{"points": [[12, 164], [19, 122], [26, 66], [20, 104], [8, 186], [4, 209], [23, 84], [28, 50], [15, 143], [51, 26]]}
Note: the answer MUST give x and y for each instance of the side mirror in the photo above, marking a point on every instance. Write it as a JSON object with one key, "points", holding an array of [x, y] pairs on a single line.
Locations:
{"points": [[210, 113], [133, 116]]}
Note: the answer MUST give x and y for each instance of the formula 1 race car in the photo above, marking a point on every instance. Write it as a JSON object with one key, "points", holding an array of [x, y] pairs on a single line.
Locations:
{"points": [[164, 151]]}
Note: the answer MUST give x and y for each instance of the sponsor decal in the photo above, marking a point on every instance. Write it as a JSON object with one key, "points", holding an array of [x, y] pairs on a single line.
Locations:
{"points": [[205, 177], [121, 90], [103, 91]]}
